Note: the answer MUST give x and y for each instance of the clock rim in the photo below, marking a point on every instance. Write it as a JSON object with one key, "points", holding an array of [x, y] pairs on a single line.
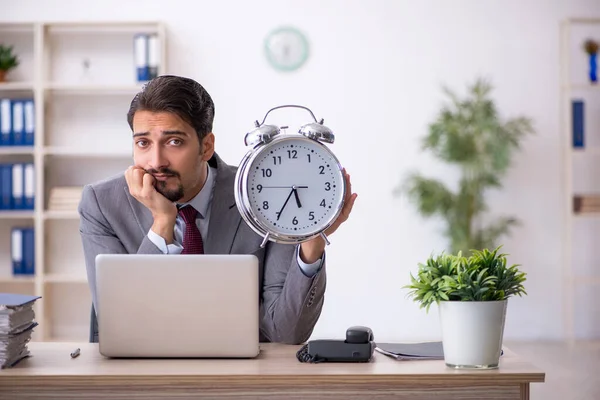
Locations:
{"points": [[297, 64], [243, 201]]}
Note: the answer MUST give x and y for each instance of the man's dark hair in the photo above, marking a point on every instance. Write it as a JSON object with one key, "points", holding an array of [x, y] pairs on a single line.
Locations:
{"points": [[182, 96]]}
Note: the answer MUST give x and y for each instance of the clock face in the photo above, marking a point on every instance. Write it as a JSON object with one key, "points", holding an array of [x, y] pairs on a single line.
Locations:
{"points": [[286, 49], [295, 186]]}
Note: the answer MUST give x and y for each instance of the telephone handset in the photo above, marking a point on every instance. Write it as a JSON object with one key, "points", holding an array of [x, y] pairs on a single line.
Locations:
{"points": [[358, 347]]}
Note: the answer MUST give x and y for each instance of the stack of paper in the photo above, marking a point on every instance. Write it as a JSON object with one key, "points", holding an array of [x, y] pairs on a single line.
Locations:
{"points": [[412, 351], [17, 320], [65, 198]]}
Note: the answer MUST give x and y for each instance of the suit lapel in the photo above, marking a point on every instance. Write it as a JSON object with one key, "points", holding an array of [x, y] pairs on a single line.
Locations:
{"points": [[142, 215], [224, 216]]}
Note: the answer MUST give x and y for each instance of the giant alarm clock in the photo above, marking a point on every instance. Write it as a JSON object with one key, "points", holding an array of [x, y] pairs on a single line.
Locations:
{"points": [[290, 187]]}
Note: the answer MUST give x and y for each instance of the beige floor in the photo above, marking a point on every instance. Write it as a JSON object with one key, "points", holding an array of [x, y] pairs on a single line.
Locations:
{"points": [[572, 373]]}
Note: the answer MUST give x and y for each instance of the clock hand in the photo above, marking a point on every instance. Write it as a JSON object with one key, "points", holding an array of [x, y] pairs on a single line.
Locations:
{"points": [[284, 204], [284, 187], [297, 198]]}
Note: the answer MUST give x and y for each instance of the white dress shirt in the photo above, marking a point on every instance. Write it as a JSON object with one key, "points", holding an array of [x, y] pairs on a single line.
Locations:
{"points": [[201, 202]]}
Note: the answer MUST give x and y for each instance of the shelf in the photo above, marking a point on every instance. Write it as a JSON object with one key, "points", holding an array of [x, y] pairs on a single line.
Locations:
{"points": [[82, 94], [86, 153], [583, 86], [16, 27], [16, 150], [93, 90], [586, 280], [13, 86], [587, 150], [58, 215], [583, 20], [103, 27], [16, 214], [587, 215], [17, 279], [65, 278]]}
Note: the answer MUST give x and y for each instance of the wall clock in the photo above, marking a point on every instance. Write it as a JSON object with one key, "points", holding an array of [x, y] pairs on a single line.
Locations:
{"points": [[286, 49]]}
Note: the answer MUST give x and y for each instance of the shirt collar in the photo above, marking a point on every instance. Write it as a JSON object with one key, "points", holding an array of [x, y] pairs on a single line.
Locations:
{"points": [[201, 201]]}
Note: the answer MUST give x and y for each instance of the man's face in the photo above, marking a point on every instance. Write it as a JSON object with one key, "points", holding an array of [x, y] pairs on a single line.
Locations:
{"points": [[168, 148]]}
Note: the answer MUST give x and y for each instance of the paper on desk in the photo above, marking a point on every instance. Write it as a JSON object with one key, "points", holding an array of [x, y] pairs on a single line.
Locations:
{"points": [[14, 301], [412, 351]]}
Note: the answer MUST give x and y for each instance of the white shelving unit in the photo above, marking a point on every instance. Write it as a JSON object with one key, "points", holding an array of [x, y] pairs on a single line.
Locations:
{"points": [[581, 177], [82, 78]]}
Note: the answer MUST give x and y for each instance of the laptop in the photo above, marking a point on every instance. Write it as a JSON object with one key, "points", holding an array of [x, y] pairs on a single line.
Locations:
{"points": [[190, 306]]}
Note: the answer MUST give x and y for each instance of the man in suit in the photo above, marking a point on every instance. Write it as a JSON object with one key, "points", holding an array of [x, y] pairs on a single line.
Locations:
{"points": [[178, 198]]}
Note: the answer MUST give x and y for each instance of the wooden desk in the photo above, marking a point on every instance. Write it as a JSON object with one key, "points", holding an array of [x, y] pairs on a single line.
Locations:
{"points": [[51, 374]]}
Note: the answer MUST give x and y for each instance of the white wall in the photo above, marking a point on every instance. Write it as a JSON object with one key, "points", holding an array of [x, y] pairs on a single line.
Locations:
{"points": [[374, 74]]}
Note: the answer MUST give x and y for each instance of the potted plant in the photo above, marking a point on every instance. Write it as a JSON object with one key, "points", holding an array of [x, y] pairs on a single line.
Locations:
{"points": [[591, 48], [8, 61], [472, 294], [470, 135]]}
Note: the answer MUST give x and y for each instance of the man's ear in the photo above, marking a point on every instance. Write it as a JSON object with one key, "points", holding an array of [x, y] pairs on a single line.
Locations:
{"points": [[208, 147]]}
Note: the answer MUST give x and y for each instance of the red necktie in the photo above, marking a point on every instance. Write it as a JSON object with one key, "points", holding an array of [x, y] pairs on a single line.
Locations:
{"points": [[192, 240]]}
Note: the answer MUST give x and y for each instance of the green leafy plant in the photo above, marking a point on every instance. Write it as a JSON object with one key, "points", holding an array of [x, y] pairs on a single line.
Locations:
{"points": [[483, 276], [8, 60], [469, 134], [591, 46]]}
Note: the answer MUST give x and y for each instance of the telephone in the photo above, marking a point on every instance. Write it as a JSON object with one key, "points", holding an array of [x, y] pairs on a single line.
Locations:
{"points": [[358, 347]]}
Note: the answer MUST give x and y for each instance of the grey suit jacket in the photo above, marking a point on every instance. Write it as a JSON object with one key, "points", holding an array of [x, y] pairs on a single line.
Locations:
{"points": [[113, 221]]}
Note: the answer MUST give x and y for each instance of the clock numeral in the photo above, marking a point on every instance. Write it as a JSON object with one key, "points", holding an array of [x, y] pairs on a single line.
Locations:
{"points": [[277, 213], [322, 203], [276, 159], [294, 221], [311, 215], [308, 155], [267, 172], [292, 154], [321, 170], [265, 205], [327, 186]]}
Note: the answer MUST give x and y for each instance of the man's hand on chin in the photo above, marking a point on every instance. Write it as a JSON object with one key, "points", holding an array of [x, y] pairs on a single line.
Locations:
{"points": [[164, 212], [312, 250]]}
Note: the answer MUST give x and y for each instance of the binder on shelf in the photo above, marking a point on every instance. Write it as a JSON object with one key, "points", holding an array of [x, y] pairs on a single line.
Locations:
{"points": [[18, 198], [153, 55], [28, 251], [29, 187], [17, 251], [5, 186], [23, 250], [577, 121], [5, 122], [141, 57], [18, 123], [29, 116]]}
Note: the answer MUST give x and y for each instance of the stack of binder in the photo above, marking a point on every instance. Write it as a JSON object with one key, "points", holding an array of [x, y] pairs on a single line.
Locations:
{"points": [[17, 122], [17, 186], [17, 320], [147, 56], [65, 198]]}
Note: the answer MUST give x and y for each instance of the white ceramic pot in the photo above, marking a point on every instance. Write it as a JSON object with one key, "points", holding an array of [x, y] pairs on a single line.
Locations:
{"points": [[472, 332]]}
